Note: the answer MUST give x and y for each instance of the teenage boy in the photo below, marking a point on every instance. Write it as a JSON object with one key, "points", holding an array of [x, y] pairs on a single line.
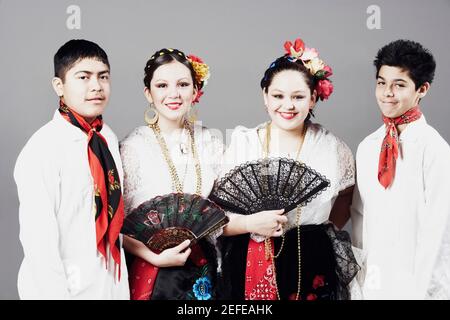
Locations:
{"points": [[401, 202], [69, 178]]}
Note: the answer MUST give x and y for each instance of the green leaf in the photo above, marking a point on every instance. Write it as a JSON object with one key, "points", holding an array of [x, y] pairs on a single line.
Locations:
{"points": [[320, 74]]}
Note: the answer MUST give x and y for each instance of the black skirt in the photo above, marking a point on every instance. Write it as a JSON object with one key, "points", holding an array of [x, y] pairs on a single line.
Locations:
{"points": [[327, 264], [188, 282]]}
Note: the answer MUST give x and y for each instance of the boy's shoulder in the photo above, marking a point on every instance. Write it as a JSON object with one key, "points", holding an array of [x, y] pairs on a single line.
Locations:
{"points": [[46, 137], [434, 142], [41, 150], [54, 136]]}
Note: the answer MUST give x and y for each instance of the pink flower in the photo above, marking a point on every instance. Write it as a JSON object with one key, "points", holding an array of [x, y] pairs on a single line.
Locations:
{"points": [[153, 217], [311, 297], [328, 71], [324, 89], [319, 281], [309, 54]]}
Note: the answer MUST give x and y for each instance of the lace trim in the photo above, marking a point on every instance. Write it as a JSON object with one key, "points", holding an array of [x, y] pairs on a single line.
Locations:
{"points": [[132, 180], [215, 150], [211, 156], [346, 265], [346, 163], [234, 189]]}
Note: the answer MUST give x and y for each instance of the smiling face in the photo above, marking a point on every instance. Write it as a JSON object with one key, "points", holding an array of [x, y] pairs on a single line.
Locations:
{"points": [[85, 88], [171, 91], [289, 100], [396, 92]]}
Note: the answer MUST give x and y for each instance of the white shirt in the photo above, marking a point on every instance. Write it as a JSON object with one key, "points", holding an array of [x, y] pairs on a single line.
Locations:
{"points": [[57, 222], [321, 150], [401, 228], [147, 172]]}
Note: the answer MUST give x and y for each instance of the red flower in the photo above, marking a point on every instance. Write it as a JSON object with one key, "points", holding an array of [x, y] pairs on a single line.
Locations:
{"points": [[328, 71], [195, 58], [298, 47], [293, 296], [311, 297], [319, 281], [111, 177], [153, 217], [197, 97], [324, 89]]}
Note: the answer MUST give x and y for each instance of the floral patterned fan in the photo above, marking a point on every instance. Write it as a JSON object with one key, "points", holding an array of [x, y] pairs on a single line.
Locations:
{"points": [[165, 221]]}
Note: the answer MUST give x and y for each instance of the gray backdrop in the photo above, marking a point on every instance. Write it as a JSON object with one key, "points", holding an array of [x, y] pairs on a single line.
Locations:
{"points": [[238, 39]]}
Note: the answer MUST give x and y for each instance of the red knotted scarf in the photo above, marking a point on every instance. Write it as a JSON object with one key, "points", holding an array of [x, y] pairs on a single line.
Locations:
{"points": [[389, 148], [109, 211]]}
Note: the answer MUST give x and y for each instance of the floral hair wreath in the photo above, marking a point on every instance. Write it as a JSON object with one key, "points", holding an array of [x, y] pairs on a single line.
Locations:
{"points": [[310, 59], [201, 69], [201, 74]]}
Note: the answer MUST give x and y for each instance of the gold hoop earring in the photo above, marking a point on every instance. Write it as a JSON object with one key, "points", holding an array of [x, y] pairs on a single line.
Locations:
{"points": [[151, 120]]}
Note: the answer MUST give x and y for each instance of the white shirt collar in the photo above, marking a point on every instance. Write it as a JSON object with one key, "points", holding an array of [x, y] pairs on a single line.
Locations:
{"points": [[411, 132]]}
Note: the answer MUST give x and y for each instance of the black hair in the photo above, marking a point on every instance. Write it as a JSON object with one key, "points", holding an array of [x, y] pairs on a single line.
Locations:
{"points": [[75, 50], [410, 56], [283, 63], [165, 56]]}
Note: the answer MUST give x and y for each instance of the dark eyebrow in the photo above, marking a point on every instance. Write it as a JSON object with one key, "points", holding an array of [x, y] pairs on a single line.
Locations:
{"points": [[294, 92], [89, 72], [395, 80], [299, 91], [181, 79]]}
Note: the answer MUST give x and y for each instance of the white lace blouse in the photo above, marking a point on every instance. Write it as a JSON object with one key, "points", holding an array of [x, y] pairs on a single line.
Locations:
{"points": [[321, 150], [146, 173]]}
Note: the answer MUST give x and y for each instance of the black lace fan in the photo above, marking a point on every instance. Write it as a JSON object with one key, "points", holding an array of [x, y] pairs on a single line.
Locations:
{"points": [[268, 184], [165, 221]]}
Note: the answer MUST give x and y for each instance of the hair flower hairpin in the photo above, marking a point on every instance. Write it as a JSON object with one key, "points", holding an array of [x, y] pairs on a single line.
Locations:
{"points": [[309, 54], [202, 74], [295, 51], [201, 69], [310, 59], [324, 89]]}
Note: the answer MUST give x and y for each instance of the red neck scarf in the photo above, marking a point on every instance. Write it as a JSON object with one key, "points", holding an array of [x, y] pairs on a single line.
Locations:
{"points": [[389, 148], [109, 211]]}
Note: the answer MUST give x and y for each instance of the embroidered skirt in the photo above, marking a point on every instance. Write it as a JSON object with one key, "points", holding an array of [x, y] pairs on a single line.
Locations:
{"points": [[327, 266]]}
